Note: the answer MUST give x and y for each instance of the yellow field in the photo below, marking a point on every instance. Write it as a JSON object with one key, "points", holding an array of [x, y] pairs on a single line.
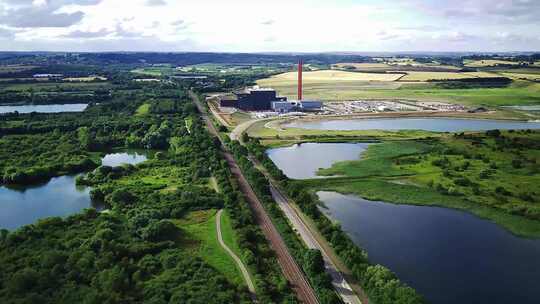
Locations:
{"points": [[326, 76], [522, 76], [425, 76], [330, 84], [487, 62]]}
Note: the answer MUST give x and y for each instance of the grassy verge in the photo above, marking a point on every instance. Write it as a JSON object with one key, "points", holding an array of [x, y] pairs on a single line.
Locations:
{"points": [[201, 226], [143, 109], [272, 131]]}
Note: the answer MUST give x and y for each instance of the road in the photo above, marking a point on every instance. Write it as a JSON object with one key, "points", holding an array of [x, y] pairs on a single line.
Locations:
{"points": [[239, 263], [339, 282], [291, 270], [241, 128]]}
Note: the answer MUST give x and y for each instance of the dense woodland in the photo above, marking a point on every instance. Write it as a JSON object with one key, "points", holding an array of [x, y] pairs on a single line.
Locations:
{"points": [[136, 252]]}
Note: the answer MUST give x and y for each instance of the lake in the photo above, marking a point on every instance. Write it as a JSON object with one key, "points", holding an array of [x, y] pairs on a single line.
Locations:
{"points": [[58, 197], [449, 256], [428, 124], [301, 161], [52, 108]]}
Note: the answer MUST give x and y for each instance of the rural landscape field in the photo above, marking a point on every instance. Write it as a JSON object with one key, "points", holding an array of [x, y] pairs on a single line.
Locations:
{"points": [[344, 152]]}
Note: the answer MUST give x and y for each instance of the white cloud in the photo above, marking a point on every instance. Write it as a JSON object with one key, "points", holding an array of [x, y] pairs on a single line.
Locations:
{"points": [[278, 25]]}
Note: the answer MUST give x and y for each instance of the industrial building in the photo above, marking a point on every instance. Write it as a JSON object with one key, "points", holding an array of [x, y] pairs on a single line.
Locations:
{"points": [[253, 99], [258, 99], [296, 106]]}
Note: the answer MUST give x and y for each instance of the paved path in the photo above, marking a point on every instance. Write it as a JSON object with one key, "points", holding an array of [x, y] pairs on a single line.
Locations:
{"points": [[239, 263], [291, 270], [339, 282], [241, 128]]}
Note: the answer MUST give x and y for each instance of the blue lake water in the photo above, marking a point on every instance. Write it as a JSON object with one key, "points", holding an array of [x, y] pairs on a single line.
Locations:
{"points": [[447, 255], [301, 161], [428, 124], [57, 197], [53, 108]]}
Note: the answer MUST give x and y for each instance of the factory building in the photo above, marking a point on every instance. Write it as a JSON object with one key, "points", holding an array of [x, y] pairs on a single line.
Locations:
{"points": [[309, 105], [284, 106], [294, 105], [254, 99], [258, 99]]}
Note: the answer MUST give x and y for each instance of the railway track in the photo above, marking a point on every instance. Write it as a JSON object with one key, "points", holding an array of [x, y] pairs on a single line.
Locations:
{"points": [[289, 267]]}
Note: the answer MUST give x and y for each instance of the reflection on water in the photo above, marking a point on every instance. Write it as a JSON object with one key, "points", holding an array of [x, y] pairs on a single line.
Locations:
{"points": [[21, 205], [428, 124], [117, 159], [302, 161], [449, 256], [54, 108]]}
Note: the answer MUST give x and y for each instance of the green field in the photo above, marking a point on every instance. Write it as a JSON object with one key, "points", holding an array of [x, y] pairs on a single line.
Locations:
{"points": [[201, 226], [429, 76], [475, 172], [54, 86], [489, 62], [156, 71], [143, 109]]}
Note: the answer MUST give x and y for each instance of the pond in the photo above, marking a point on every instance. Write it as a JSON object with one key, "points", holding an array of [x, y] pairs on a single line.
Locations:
{"points": [[428, 124], [52, 108], [129, 157], [301, 161], [449, 256], [58, 197]]}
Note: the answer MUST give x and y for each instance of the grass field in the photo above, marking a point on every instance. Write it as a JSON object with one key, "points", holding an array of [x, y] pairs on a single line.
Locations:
{"points": [[362, 66], [201, 226], [48, 86], [475, 173], [522, 76], [330, 84], [341, 85], [325, 76], [488, 63], [143, 109], [85, 79], [154, 71], [425, 76], [13, 68]]}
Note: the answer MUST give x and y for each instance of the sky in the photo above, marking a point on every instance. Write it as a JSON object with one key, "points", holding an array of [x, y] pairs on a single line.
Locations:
{"points": [[270, 26]]}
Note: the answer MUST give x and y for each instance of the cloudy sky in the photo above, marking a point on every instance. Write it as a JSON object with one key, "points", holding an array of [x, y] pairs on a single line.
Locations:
{"points": [[270, 25]]}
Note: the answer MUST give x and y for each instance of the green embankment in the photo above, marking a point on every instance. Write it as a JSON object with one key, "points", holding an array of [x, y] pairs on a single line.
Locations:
{"points": [[269, 130]]}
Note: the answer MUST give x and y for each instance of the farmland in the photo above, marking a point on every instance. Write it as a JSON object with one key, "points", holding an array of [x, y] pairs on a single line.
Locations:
{"points": [[427, 76], [490, 62], [342, 85]]}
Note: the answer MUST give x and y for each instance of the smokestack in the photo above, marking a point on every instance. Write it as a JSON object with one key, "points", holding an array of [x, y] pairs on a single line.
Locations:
{"points": [[300, 79]]}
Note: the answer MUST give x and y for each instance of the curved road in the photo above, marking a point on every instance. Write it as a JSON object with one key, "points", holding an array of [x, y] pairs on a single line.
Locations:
{"points": [[236, 259]]}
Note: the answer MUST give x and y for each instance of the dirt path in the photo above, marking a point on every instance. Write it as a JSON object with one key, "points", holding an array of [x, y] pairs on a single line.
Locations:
{"points": [[239, 263]]}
